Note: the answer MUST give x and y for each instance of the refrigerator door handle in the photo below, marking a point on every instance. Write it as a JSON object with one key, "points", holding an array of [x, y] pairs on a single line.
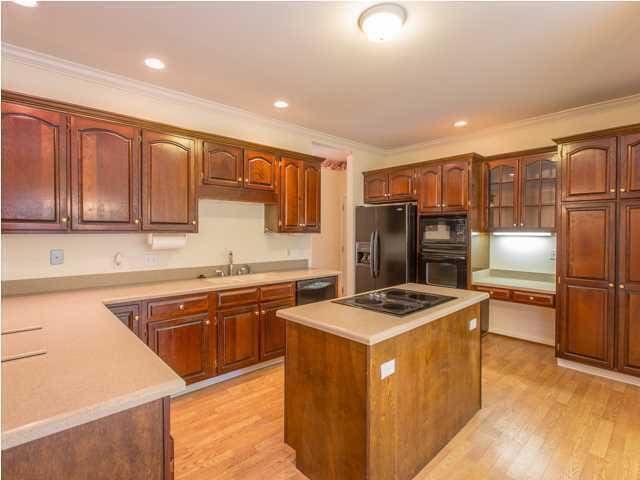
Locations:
{"points": [[372, 254], [376, 254]]}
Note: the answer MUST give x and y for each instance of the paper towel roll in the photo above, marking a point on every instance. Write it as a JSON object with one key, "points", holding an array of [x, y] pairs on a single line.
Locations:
{"points": [[166, 242]]}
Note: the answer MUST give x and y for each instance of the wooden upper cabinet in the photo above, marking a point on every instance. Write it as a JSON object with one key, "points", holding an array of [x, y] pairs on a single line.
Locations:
{"points": [[222, 165], [34, 169], [430, 189], [401, 184], [238, 337], [184, 343], [105, 175], [168, 183], [290, 195], [455, 186], [630, 166], [376, 187], [538, 192], [502, 182], [629, 287], [311, 199], [589, 170], [260, 170]]}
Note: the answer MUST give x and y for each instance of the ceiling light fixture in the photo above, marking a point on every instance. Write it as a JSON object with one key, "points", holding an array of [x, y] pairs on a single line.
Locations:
{"points": [[26, 3], [383, 21], [280, 104], [460, 123], [154, 63]]}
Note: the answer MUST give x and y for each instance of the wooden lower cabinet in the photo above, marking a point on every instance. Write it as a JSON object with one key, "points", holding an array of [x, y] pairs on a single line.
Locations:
{"points": [[272, 329], [185, 344], [129, 314], [238, 345], [629, 331], [133, 444]]}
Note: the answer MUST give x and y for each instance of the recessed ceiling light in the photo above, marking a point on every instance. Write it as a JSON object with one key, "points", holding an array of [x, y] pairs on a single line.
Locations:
{"points": [[460, 124], [26, 3], [280, 104], [382, 22], [154, 63]]}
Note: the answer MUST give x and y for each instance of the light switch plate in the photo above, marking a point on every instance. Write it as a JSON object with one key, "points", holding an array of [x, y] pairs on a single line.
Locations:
{"points": [[151, 260], [473, 324], [387, 368], [56, 257]]}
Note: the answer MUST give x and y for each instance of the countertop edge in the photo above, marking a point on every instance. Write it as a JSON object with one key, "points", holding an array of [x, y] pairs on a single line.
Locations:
{"points": [[44, 428], [392, 332]]}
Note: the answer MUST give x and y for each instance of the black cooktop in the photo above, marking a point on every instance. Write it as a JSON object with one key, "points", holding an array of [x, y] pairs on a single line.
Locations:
{"points": [[395, 301]]}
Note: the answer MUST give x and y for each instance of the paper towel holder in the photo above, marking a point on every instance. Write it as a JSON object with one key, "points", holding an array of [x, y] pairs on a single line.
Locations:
{"points": [[166, 242]]}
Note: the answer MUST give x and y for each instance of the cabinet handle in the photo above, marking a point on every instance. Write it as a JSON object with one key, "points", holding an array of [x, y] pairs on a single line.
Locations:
{"points": [[623, 189], [611, 285], [181, 306], [522, 224], [136, 221], [207, 322], [246, 180], [256, 312], [622, 286], [490, 292], [515, 224], [193, 221], [263, 312], [613, 190], [64, 219], [239, 179], [530, 298], [444, 204], [136, 317]]}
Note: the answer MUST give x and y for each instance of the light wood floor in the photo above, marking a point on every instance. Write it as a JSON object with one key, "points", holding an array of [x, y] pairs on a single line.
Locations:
{"points": [[538, 421]]}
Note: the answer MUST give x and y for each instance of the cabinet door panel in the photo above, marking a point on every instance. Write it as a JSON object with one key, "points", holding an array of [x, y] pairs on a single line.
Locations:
{"points": [[455, 186], [290, 192], [238, 334], [34, 169], [311, 178], [589, 170], [259, 170], [184, 344], [129, 314], [375, 187], [629, 295], [630, 166], [221, 165], [272, 330], [430, 189], [168, 183], [587, 323], [588, 241], [105, 175], [502, 179], [401, 185]]}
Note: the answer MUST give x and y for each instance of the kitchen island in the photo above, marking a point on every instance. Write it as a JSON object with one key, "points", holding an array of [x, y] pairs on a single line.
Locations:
{"points": [[377, 396]]}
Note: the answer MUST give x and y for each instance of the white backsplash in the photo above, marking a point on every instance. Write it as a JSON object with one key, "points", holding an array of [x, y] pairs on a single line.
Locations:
{"points": [[525, 254]]}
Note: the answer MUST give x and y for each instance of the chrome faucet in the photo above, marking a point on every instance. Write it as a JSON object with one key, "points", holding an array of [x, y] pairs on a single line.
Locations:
{"points": [[230, 263]]}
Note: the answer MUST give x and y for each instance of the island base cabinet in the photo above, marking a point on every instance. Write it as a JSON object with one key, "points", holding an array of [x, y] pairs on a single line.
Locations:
{"points": [[131, 444], [345, 421]]}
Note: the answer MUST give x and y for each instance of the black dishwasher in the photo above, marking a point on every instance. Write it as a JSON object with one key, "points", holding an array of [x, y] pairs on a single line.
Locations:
{"points": [[315, 290]]}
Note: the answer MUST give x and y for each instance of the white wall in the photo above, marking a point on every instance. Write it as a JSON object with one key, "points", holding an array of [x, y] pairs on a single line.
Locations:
{"points": [[528, 322], [525, 254], [223, 225]]}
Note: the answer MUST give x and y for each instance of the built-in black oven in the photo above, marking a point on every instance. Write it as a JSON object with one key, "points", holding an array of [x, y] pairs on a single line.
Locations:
{"points": [[443, 251]]}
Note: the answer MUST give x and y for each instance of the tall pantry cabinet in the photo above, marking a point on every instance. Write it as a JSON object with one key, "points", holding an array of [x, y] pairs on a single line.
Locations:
{"points": [[599, 250]]}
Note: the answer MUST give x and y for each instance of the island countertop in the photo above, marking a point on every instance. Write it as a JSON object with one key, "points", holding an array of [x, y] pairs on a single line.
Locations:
{"points": [[370, 327], [93, 365]]}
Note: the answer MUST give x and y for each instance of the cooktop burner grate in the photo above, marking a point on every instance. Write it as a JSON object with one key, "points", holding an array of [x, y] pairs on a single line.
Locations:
{"points": [[395, 301]]}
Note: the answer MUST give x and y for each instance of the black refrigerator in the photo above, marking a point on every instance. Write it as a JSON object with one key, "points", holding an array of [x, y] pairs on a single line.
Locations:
{"points": [[385, 246]]}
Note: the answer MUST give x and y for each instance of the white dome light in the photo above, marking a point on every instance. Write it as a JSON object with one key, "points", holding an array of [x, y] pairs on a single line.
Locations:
{"points": [[382, 22], [460, 123], [26, 3], [280, 104], [154, 63]]}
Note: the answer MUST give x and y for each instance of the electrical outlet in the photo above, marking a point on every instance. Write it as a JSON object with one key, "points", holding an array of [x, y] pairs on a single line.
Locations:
{"points": [[552, 256], [387, 368], [56, 257], [151, 260], [473, 324]]}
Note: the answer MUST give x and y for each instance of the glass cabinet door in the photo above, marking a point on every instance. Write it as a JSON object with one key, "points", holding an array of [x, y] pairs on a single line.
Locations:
{"points": [[503, 193], [539, 181]]}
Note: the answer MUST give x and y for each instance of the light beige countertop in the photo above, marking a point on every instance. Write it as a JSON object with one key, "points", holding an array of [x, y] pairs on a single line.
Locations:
{"points": [[370, 327], [86, 363], [533, 282]]}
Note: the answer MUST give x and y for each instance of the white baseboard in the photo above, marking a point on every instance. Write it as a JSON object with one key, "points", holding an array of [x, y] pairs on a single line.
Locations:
{"points": [[599, 372], [228, 376], [521, 336]]}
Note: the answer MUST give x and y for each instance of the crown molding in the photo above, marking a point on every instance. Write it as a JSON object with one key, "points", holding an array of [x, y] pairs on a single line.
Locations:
{"points": [[516, 124], [58, 65]]}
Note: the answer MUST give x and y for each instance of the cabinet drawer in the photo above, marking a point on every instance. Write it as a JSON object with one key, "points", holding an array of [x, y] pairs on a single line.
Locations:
{"points": [[281, 290], [545, 300], [495, 293], [238, 297], [177, 306]]}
